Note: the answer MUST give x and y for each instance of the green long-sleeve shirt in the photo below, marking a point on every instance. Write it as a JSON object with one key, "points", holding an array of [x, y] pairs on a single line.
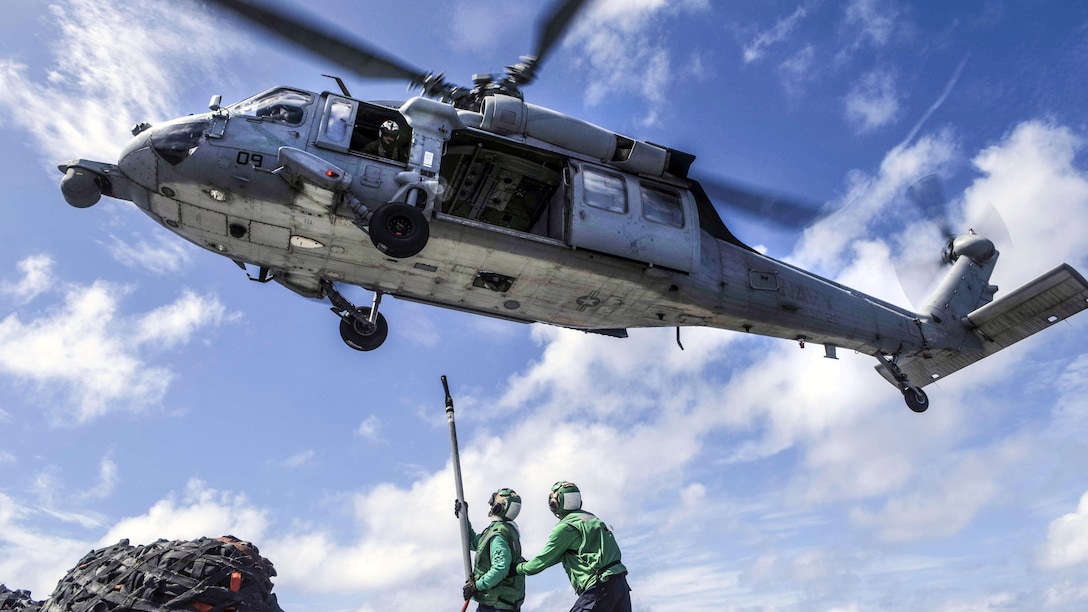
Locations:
{"points": [[501, 559], [585, 546], [498, 548]]}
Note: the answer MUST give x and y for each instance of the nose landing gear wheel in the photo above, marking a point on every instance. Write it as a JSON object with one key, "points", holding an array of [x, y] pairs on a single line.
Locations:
{"points": [[399, 230], [359, 333], [916, 399]]}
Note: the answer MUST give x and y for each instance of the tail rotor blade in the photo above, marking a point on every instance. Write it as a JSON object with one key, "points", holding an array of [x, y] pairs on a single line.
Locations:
{"points": [[927, 193]]}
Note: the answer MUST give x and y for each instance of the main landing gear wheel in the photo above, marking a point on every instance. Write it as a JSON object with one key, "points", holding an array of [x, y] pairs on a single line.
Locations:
{"points": [[399, 230], [917, 400], [359, 333]]}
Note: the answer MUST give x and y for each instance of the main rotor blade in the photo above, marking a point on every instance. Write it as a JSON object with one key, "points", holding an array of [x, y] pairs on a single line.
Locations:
{"points": [[552, 28], [355, 55], [778, 209]]}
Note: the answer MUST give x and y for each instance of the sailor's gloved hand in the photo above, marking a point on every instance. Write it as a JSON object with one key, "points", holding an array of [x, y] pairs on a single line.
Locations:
{"points": [[458, 506], [469, 589]]}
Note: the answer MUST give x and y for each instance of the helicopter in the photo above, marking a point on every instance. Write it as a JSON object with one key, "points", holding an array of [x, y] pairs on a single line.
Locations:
{"points": [[472, 199]]}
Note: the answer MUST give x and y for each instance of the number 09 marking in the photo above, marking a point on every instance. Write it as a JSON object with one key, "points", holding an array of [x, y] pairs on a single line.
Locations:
{"points": [[245, 158]]}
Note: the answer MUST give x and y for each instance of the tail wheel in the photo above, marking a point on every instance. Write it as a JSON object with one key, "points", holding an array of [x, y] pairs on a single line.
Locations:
{"points": [[916, 399], [360, 334], [399, 230]]}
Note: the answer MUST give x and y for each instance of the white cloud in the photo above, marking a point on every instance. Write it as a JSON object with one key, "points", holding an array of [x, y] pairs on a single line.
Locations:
{"points": [[177, 322], [29, 558], [1067, 594], [873, 101], [87, 359], [37, 277], [836, 241], [1031, 177], [166, 255], [1067, 539], [780, 32], [95, 92], [871, 22], [798, 70], [619, 45], [201, 511], [299, 459], [108, 479], [944, 503], [369, 428]]}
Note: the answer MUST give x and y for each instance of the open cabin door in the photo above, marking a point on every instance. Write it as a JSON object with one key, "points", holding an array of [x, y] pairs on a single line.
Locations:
{"points": [[349, 126], [337, 123], [632, 217]]}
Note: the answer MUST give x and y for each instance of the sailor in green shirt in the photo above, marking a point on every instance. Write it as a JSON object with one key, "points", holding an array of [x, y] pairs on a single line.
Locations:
{"points": [[494, 583], [588, 551]]}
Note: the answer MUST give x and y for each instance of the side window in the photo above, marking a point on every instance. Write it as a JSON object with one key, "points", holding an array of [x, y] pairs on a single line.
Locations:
{"points": [[604, 191], [282, 106], [338, 121], [661, 205]]}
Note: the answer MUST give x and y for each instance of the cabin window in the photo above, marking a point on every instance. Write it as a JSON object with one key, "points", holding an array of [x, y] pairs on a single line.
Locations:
{"points": [[285, 106], [338, 121], [661, 205], [604, 191]]}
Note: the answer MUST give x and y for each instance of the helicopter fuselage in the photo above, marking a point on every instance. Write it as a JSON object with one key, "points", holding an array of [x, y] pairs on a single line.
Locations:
{"points": [[531, 216]]}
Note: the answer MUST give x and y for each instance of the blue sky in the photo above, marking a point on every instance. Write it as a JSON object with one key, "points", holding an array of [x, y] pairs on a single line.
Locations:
{"points": [[148, 390]]}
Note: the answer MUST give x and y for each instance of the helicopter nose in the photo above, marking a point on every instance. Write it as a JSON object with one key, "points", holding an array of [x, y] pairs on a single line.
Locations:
{"points": [[137, 161]]}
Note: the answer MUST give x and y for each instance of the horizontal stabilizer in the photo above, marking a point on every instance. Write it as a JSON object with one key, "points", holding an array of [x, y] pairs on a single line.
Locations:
{"points": [[1053, 297]]}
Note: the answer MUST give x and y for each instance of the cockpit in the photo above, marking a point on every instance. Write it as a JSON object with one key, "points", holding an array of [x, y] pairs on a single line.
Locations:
{"points": [[282, 105]]}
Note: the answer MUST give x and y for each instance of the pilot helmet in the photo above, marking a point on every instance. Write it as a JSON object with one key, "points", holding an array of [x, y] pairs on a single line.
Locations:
{"points": [[504, 503], [564, 498], [390, 128]]}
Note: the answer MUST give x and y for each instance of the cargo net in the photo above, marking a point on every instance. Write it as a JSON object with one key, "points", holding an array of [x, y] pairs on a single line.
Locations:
{"points": [[206, 575], [18, 601]]}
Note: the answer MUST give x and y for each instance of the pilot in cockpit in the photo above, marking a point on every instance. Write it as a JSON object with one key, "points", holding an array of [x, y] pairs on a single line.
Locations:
{"points": [[389, 143], [282, 113]]}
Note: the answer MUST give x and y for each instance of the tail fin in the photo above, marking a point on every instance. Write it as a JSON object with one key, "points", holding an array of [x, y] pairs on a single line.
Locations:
{"points": [[1053, 297]]}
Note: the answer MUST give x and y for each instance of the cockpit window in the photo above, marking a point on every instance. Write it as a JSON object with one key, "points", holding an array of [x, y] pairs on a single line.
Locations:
{"points": [[175, 142], [281, 105]]}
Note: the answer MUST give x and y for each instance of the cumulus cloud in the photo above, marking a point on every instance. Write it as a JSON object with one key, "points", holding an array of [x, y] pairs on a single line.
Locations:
{"points": [[88, 358], [1031, 177], [1067, 539], [197, 512], [37, 277]]}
